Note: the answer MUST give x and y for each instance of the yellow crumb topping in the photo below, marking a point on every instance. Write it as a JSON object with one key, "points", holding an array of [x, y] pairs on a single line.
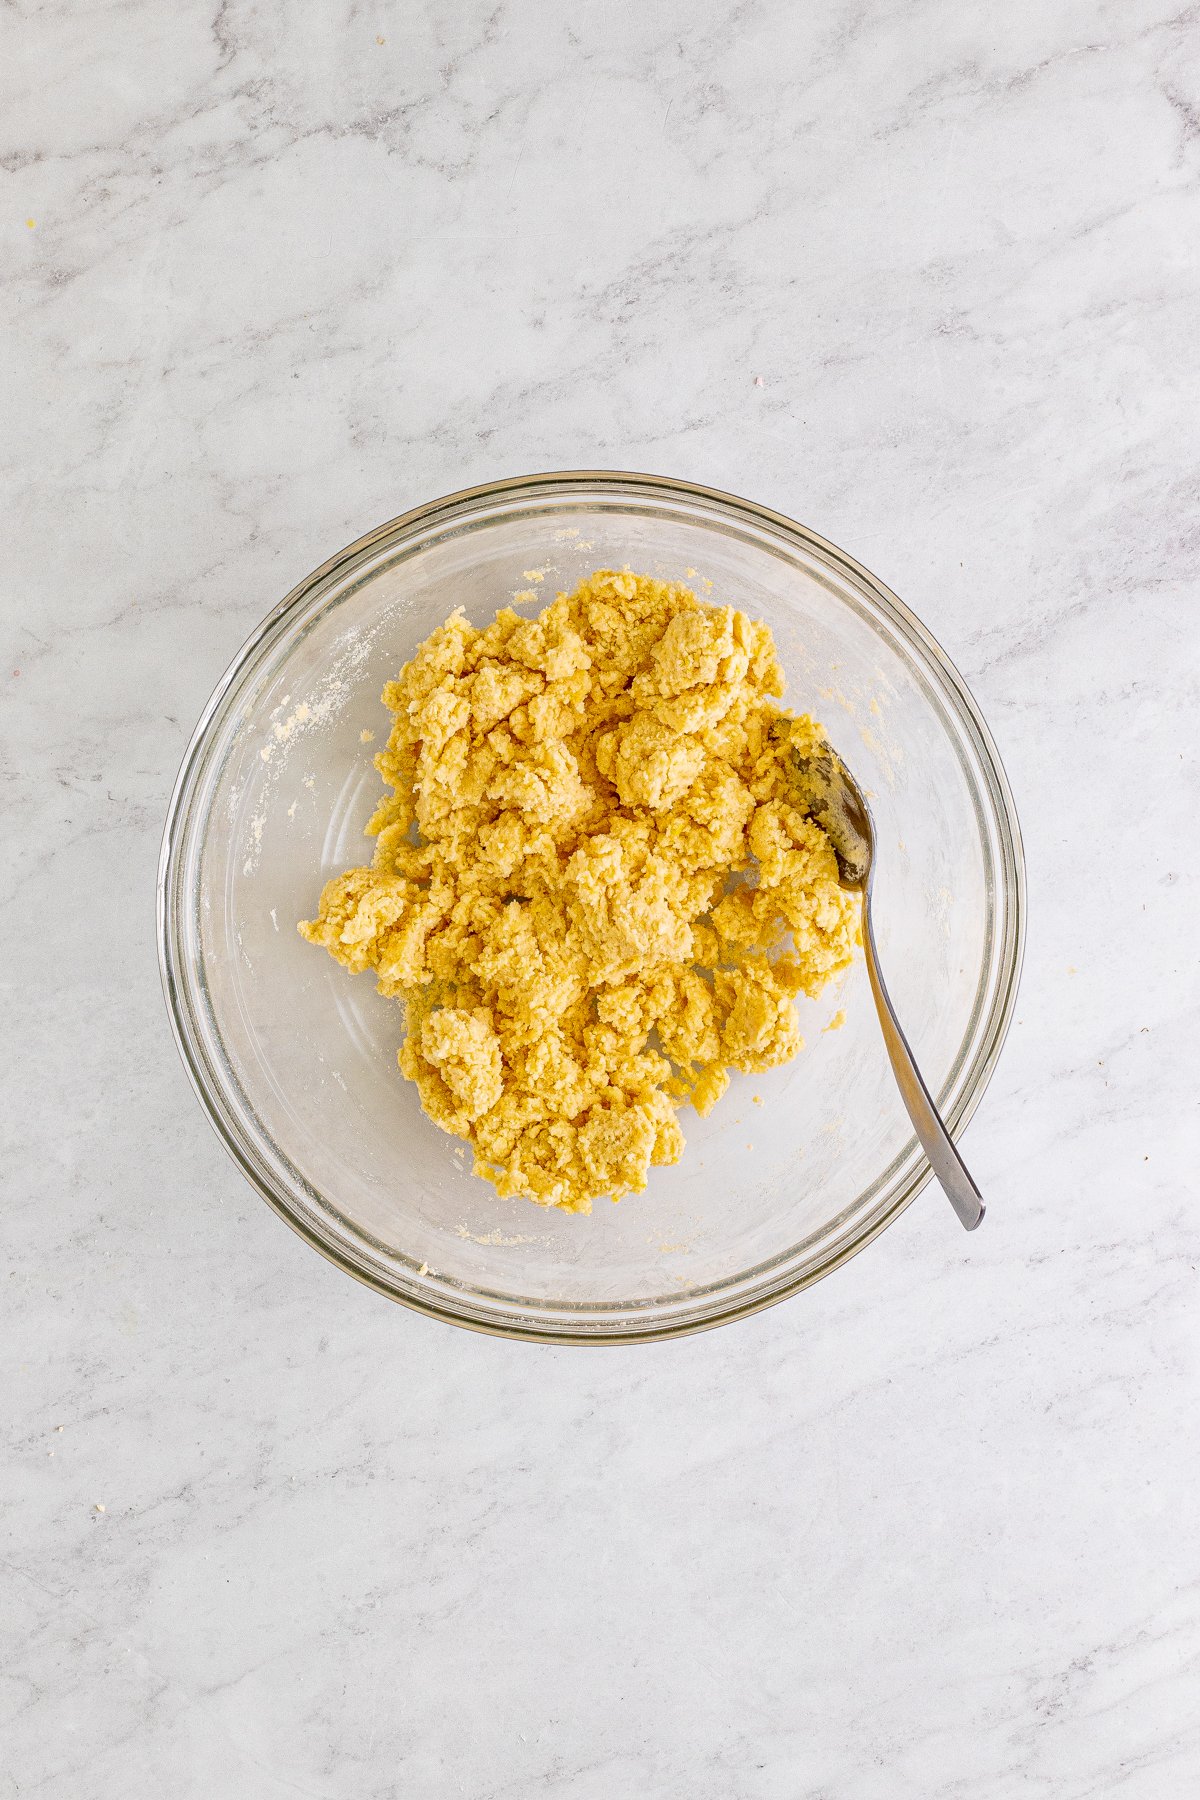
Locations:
{"points": [[592, 888]]}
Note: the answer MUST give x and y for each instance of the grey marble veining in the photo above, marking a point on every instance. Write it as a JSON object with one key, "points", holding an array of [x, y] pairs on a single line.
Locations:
{"points": [[270, 276]]}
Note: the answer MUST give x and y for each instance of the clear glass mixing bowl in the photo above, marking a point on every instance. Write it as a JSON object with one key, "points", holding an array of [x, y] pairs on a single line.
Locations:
{"points": [[295, 1060]]}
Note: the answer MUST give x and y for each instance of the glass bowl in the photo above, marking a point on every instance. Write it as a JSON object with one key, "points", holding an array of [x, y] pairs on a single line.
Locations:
{"points": [[294, 1060]]}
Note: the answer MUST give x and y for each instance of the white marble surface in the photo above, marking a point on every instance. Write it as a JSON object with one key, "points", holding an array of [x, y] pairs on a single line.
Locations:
{"points": [[930, 1530]]}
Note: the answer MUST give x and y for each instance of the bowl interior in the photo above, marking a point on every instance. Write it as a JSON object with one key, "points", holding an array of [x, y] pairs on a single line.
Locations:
{"points": [[297, 1059]]}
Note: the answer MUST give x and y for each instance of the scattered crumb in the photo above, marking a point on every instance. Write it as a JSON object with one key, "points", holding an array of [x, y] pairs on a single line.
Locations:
{"points": [[525, 597], [366, 737], [30, 223], [872, 743], [292, 809], [310, 781], [757, 1099], [759, 382], [837, 1021], [1071, 969], [283, 729], [99, 1506], [691, 574], [256, 832], [494, 1238], [838, 698], [877, 709], [274, 920], [380, 40], [533, 574], [424, 1269]]}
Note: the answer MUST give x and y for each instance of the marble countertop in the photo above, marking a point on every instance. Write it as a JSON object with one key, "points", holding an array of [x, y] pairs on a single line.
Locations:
{"points": [[924, 277]]}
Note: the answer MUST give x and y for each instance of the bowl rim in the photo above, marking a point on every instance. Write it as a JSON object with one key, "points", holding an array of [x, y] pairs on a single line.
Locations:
{"points": [[1011, 880]]}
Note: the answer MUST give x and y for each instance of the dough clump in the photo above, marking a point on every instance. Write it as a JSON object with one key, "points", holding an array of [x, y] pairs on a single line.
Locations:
{"points": [[592, 889]]}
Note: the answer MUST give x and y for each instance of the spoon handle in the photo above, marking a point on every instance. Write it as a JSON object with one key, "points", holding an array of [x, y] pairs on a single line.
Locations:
{"points": [[934, 1139]]}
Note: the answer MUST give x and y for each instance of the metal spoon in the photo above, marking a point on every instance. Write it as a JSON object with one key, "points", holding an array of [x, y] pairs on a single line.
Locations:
{"points": [[830, 795]]}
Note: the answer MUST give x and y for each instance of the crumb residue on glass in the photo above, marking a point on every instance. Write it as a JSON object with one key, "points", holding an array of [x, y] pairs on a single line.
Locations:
{"points": [[283, 728], [494, 1238]]}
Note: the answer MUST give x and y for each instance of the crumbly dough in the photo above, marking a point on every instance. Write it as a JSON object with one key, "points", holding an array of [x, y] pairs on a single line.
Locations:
{"points": [[592, 888]]}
